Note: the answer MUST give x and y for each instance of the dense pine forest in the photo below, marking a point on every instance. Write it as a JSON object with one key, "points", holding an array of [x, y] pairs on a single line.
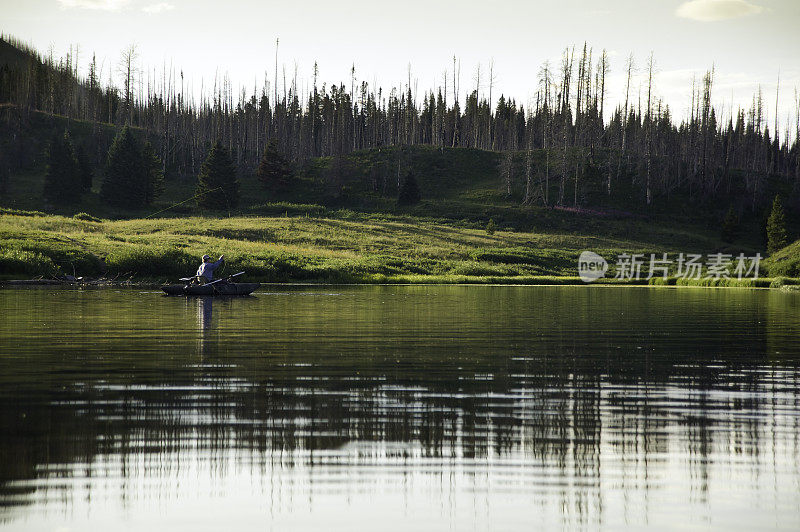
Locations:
{"points": [[567, 148]]}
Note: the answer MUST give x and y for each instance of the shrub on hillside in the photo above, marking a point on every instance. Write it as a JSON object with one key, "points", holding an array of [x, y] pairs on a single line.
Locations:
{"points": [[152, 261], [409, 190], [26, 263], [274, 170], [777, 234], [86, 217], [730, 226], [62, 183], [133, 173], [217, 186], [84, 168]]}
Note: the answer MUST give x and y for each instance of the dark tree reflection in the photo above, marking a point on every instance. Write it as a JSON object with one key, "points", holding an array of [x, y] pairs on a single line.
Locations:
{"points": [[584, 385]]}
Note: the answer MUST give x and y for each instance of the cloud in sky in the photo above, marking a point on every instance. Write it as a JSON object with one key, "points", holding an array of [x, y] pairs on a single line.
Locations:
{"points": [[104, 5], [152, 9], [712, 10]]}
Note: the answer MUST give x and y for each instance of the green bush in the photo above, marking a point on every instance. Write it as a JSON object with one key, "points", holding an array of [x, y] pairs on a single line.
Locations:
{"points": [[133, 175], [274, 170], [86, 217], [777, 234], [477, 269], [217, 185], [62, 184], [730, 226], [778, 282], [409, 193], [505, 256], [152, 261], [26, 263]]}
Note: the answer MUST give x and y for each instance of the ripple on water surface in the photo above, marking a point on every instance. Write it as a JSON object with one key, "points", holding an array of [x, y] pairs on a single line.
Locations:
{"points": [[465, 408]]}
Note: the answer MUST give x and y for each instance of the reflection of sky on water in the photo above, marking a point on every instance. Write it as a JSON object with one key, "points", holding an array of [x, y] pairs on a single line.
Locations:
{"points": [[598, 462], [370, 408]]}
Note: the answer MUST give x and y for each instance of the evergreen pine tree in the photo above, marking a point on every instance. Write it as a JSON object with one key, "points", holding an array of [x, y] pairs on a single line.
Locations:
{"points": [[217, 186], [62, 183], [84, 168], [125, 182], [153, 173], [409, 191], [777, 235], [274, 170], [730, 226]]}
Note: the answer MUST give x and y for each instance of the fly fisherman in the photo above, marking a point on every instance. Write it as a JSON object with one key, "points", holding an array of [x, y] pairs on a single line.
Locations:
{"points": [[205, 273]]}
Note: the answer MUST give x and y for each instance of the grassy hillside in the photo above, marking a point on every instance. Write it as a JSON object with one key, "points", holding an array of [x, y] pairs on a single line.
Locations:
{"points": [[459, 187], [342, 247], [786, 262], [456, 183]]}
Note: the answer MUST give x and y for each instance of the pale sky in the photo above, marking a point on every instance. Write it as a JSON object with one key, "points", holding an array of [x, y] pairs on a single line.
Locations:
{"points": [[748, 41]]}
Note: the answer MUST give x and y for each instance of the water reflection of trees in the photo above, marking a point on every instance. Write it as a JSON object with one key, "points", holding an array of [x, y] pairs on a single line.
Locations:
{"points": [[560, 395]]}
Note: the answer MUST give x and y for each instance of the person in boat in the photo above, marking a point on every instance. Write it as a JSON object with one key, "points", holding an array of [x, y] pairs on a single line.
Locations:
{"points": [[205, 273]]}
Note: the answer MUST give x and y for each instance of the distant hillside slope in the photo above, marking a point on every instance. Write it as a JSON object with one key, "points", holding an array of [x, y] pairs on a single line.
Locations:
{"points": [[462, 185], [786, 262], [15, 55]]}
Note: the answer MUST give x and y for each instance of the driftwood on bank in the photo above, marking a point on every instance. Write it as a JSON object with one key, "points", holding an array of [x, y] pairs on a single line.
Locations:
{"points": [[33, 282], [69, 280]]}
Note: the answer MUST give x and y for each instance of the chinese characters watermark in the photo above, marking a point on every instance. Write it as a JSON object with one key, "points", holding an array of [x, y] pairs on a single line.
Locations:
{"points": [[638, 266]]}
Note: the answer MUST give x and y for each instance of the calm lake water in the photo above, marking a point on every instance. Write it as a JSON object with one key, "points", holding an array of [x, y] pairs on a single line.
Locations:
{"points": [[400, 408]]}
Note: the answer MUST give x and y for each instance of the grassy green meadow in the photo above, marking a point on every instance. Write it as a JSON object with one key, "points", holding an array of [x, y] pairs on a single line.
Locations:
{"points": [[342, 246]]}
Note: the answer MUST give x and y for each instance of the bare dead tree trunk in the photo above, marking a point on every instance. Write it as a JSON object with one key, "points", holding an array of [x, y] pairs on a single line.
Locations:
{"points": [[649, 128], [528, 174], [489, 142], [624, 121], [507, 170], [127, 69], [603, 70]]}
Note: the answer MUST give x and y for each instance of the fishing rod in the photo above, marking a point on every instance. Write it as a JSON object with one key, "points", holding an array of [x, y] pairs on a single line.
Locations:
{"points": [[182, 202], [212, 282], [223, 279]]}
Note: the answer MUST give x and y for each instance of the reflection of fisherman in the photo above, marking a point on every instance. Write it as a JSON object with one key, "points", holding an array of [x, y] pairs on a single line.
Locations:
{"points": [[205, 339], [205, 310], [205, 273]]}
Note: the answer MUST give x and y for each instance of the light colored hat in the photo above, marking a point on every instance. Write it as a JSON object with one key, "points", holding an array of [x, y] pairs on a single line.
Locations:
{"points": [[206, 257]]}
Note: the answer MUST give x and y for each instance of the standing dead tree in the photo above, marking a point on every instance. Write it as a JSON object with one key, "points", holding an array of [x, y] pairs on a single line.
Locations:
{"points": [[127, 69]]}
